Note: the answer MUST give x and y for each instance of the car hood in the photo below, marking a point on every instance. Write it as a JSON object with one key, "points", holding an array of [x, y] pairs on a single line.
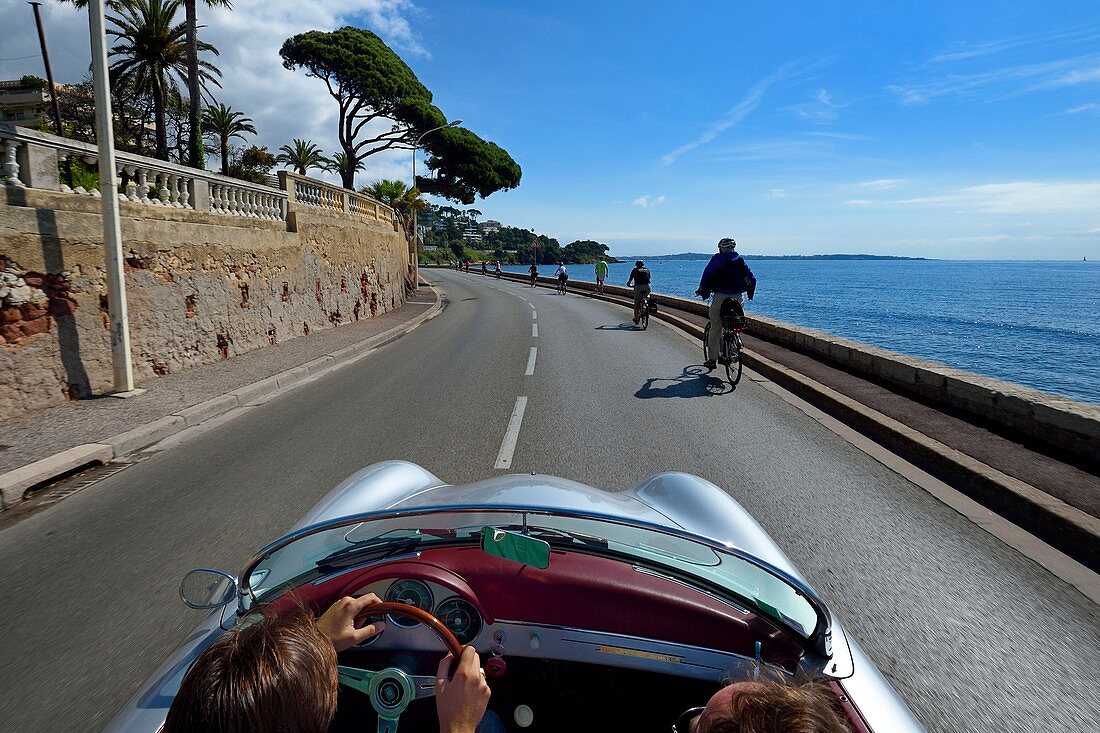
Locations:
{"points": [[676, 500]]}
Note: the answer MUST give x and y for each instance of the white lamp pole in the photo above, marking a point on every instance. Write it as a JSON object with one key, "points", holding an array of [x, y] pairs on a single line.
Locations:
{"points": [[415, 254], [108, 188]]}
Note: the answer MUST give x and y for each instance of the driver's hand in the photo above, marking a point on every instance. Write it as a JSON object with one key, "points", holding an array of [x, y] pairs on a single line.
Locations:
{"points": [[460, 701], [338, 622]]}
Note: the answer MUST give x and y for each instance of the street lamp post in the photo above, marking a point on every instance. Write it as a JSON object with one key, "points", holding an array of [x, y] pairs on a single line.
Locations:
{"points": [[108, 188], [415, 234]]}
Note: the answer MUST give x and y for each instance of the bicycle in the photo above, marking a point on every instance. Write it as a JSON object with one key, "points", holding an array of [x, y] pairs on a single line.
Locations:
{"points": [[732, 317], [648, 306], [563, 283]]}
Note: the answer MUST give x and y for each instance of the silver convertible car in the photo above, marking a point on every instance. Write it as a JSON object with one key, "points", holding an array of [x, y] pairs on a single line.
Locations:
{"points": [[592, 610]]}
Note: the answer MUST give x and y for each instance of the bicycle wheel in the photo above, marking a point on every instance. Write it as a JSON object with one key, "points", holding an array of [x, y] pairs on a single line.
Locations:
{"points": [[706, 342], [733, 361], [645, 314]]}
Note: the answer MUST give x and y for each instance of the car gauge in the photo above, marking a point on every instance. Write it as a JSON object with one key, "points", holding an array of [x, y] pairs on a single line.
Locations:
{"points": [[461, 618], [413, 593]]}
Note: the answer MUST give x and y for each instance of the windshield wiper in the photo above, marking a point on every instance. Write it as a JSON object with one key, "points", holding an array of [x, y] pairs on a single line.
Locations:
{"points": [[377, 548]]}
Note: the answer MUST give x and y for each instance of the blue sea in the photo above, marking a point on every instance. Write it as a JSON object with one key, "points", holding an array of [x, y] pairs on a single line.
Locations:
{"points": [[1032, 323]]}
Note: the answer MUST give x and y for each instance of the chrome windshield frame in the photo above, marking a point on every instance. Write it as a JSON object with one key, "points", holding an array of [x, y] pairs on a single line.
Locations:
{"points": [[820, 641]]}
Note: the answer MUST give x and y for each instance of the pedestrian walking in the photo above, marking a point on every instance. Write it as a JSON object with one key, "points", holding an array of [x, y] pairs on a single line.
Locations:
{"points": [[601, 274]]}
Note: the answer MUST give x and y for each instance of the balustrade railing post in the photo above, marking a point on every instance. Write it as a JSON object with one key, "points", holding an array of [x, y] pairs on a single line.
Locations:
{"points": [[11, 165], [142, 185], [119, 170], [131, 183]]}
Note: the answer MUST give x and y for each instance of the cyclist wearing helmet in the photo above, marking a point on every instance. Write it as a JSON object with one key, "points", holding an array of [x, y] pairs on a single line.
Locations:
{"points": [[727, 276], [640, 278]]}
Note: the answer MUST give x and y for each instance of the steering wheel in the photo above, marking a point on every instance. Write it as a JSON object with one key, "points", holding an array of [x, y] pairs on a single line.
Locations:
{"points": [[392, 689]]}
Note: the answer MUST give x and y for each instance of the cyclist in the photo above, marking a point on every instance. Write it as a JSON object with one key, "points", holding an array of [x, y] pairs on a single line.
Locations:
{"points": [[562, 275], [534, 274], [640, 278], [727, 276], [601, 274], [496, 270]]}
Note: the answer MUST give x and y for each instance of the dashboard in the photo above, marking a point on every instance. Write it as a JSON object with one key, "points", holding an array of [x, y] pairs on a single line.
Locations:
{"points": [[458, 614]]}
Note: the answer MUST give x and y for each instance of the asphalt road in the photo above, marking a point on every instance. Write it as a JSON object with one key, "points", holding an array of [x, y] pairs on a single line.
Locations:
{"points": [[973, 635]]}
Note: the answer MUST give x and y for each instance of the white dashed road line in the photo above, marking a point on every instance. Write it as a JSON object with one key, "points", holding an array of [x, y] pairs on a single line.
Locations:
{"points": [[534, 315], [530, 371], [508, 447], [534, 330]]}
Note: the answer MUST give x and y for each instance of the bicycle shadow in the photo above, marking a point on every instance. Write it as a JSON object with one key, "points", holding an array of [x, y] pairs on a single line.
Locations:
{"points": [[620, 327], [694, 381]]}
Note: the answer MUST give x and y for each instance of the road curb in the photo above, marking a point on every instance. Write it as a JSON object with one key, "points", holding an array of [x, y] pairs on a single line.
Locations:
{"points": [[15, 483], [1060, 525]]}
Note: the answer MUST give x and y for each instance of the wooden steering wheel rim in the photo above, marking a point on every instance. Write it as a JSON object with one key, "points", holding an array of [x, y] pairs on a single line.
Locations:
{"points": [[403, 609]]}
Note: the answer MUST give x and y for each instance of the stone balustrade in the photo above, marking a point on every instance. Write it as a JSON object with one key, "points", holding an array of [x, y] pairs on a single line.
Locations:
{"points": [[311, 193], [31, 159]]}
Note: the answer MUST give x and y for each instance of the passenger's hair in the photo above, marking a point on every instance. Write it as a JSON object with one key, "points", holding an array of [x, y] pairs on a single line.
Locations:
{"points": [[776, 707], [275, 674]]}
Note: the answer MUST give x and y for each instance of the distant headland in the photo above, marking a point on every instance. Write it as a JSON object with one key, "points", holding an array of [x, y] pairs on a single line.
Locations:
{"points": [[702, 256]]}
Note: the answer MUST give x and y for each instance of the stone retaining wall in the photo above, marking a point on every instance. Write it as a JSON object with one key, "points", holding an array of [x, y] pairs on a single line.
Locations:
{"points": [[201, 287], [1059, 422]]}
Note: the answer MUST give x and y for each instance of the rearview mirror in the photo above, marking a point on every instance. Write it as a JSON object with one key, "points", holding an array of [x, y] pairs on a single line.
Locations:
{"points": [[517, 547], [204, 588]]}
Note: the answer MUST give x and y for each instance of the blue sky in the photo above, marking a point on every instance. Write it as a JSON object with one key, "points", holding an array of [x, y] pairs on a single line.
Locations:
{"points": [[958, 130], [937, 129]]}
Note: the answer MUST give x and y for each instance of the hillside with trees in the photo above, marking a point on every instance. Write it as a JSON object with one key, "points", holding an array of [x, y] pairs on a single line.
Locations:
{"points": [[449, 233]]}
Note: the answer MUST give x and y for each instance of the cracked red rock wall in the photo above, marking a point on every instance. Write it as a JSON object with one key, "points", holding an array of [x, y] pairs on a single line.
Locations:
{"points": [[200, 288]]}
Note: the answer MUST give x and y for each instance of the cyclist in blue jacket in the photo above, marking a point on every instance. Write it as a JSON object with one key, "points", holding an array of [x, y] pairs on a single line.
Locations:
{"points": [[727, 276]]}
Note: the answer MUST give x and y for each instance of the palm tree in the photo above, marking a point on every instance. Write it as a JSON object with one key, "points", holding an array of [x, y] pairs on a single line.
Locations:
{"points": [[396, 194], [194, 80], [150, 56], [341, 164], [301, 156], [226, 123]]}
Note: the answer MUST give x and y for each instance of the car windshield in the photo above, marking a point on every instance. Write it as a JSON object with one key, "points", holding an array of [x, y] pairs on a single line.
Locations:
{"points": [[323, 551]]}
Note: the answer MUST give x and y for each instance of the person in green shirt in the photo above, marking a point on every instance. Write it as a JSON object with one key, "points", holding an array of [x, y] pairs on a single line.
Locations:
{"points": [[601, 274]]}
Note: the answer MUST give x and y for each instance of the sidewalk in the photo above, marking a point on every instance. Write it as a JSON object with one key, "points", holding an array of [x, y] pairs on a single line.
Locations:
{"points": [[188, 397]]}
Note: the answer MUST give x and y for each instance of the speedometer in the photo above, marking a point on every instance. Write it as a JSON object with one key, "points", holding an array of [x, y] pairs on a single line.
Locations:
{"points": [[461, 618], [412, 593]]}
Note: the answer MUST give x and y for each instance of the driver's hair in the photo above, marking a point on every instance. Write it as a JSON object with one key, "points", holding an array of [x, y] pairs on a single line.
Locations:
{"points": [[275, 674], [770, 706]]}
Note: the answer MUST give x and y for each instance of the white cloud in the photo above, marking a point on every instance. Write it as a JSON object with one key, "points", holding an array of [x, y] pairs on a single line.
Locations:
{"points": [[1093, 231], [1002, 82], [739, 112], [1009, 198], [1090, 107], [835, 135], [648, 200], [821, 111], [881, 184], [282, 104], [966, 51], [776, 193]]}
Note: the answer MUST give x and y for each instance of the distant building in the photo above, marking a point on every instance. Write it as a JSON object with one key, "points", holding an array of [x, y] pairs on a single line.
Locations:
{"points": [[490, 226], [22, 103], [471, 233]]}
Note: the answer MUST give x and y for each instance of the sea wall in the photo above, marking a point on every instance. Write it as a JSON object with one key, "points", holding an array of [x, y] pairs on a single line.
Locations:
{"points": [[200, 286], [1058, 422]]}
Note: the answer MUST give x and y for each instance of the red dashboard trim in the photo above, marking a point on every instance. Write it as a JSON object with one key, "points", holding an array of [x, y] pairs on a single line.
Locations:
{"points": [[577, 591]]}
